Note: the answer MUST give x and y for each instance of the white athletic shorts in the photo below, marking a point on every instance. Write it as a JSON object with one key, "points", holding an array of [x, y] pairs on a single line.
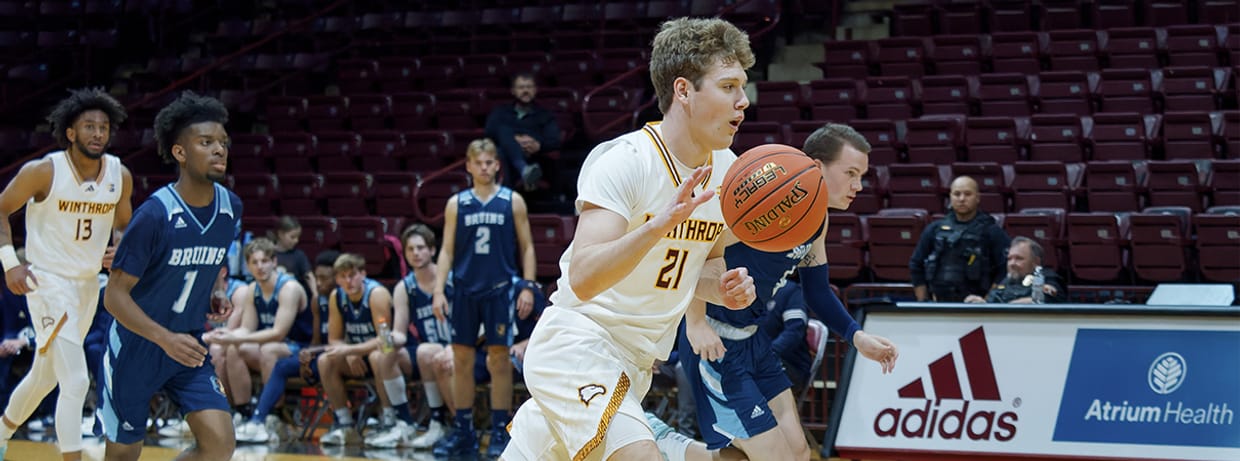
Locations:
{"points": [[586, 395], [62, 307]]}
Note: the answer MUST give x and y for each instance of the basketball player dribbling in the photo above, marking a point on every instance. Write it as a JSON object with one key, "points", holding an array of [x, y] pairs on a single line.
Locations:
{"points": [[74, 199], [648, 241], [743, 396], [167, 276]]}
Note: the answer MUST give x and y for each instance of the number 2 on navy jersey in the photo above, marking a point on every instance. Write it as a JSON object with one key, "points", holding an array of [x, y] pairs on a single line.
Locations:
{"points": [[675, 263], [482, 244], [179, 306]]}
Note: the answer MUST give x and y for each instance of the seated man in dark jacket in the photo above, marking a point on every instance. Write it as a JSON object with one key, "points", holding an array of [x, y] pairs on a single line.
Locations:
{"points": [[1024, 256]]}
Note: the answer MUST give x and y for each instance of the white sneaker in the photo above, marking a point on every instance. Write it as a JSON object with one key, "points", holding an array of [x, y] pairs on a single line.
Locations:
{"points": [[400, 435], [274, 428], [341, 436], [433, 433], [252, 432], [175, 430]]}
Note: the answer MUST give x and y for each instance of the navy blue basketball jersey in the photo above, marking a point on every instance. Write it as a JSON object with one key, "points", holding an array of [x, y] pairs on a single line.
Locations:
{"points": [[359, 326], [421, 314], [770, 271], [485, 254], [324, 300], [176, 251], [267, 307]]}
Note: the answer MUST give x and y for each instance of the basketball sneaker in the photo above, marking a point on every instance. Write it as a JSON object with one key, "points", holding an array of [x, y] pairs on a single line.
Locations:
{"points": [[459, 442], [400, 435], [341, 435], [434, 432]]}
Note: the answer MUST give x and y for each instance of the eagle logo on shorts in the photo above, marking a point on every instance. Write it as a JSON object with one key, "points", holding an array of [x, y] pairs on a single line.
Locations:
{"points": [[47, 322], [589, 391], [218, 386]]}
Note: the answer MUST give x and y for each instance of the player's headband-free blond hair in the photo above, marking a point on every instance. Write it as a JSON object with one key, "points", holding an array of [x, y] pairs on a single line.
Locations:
{"points": [[478, 147], [262, 244], [688, 47], [348, 262]]}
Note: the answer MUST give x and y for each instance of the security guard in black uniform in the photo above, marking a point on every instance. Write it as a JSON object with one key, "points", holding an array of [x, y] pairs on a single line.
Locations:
{"points": [[962, 254]]}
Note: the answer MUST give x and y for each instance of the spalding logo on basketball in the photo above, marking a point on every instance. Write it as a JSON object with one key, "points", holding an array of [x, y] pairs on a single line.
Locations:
{"points": [[774, 198]]}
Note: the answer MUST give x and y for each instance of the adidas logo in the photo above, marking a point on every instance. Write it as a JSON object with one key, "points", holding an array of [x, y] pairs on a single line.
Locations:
{"points": [[757, 411], [953, 421], [90, 188], [180, 223]]}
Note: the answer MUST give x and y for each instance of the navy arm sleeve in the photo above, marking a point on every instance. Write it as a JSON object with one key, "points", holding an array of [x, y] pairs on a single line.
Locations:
{"points": [[822, 300]]}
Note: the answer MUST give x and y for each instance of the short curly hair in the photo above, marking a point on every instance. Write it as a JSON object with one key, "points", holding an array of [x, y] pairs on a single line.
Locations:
{"points": [[187, 110], [687, 47], [79, 101]]}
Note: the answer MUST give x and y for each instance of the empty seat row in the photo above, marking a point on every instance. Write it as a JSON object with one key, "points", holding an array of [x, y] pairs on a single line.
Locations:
{"points": [[1033, 52], [1155, 245], [1079, 93], [1117, 186], [979, 16], [944, 139]]}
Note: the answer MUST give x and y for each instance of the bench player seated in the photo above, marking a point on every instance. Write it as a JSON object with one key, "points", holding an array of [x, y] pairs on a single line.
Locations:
{"points": [[272, 322], [357, 308], [414, 326]]}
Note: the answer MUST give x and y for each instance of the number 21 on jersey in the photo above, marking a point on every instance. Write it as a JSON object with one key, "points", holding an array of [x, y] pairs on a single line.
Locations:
{"points": [[674, 267]]}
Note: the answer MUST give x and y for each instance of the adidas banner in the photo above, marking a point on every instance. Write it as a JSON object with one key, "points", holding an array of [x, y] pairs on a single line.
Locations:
{"points": [[1023, 384]]}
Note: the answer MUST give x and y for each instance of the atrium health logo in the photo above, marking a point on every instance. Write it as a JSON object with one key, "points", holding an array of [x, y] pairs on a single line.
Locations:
{"points": [[947, 415], [1167, 373]]}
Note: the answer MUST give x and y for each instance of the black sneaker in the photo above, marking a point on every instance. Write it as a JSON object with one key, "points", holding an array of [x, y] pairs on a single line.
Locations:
{"points": [[530, 175]]}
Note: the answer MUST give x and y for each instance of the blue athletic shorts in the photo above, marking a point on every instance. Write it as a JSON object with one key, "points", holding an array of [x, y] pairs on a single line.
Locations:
{"points": [[732, 393], [492, 309], [134, 371]]}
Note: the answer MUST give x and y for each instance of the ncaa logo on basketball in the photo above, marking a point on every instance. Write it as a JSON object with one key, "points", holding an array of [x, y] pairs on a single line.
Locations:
{"points": [[948, 414], [1167, 373]]}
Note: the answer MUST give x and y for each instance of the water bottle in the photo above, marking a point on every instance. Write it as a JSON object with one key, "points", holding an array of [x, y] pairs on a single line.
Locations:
{"points": [[385, 337], [1036, 292]]}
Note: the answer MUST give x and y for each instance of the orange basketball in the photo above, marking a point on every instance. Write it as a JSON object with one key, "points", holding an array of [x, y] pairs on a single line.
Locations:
{"points": [[774, 197]]}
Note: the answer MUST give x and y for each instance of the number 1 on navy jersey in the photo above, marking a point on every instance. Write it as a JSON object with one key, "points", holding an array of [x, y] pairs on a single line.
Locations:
{"points": [[179, 306]]}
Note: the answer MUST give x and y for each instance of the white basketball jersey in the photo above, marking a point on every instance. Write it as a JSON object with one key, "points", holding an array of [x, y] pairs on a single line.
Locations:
{"points": [[636, 176], [67, 232]]}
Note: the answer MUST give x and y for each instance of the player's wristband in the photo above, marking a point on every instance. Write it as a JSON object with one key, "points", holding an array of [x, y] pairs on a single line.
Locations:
{"points": [[532, 285], [8, 257]]}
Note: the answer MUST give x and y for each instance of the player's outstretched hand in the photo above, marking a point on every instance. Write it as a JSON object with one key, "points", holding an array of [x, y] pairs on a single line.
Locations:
{"points": [[686, 201], [21, 279], [185, 349], [705, 342], [439, 307], [737, 288], [878, 349]]}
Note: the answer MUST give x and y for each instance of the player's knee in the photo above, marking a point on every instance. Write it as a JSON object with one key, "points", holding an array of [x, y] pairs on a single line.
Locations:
{"points": [[220, 450], [77, 386], [498, 361], [326, 365]]}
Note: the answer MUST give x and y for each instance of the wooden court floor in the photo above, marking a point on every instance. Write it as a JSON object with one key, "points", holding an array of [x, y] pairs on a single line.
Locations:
{"points": [[25, 450]]}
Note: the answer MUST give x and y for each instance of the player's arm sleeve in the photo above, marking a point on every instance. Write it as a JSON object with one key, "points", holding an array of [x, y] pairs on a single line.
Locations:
{"points": [[609, 179], [821, 299], [794, 321], [144, 235], [917, 263]]}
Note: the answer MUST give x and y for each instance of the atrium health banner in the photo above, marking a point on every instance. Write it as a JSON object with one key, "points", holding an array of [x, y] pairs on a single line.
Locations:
{"points": [[1047, 386]]}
